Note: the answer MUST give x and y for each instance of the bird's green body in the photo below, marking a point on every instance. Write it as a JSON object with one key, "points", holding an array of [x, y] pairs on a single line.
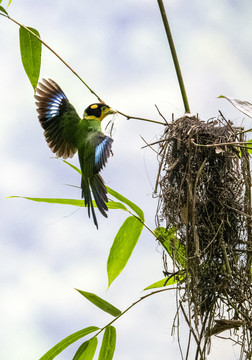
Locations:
{"points": [[66, 133]]}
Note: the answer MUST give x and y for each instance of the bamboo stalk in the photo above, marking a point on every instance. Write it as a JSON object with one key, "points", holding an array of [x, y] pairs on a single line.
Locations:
{"points": [[174, 55]]}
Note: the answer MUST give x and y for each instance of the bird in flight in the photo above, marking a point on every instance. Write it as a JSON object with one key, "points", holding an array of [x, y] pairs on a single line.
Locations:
{"points": [[66, 133]]}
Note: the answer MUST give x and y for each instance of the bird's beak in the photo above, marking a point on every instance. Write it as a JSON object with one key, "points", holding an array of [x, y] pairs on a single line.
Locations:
{"points": [[106, 111], [109, 111]]}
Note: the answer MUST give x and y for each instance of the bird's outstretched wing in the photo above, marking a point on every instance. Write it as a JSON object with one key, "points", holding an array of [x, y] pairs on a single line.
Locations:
{"points": [[92, 160], [58, 118]]}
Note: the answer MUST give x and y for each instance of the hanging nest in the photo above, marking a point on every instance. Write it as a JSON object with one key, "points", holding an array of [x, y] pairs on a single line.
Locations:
{"points": [[205, 195]]}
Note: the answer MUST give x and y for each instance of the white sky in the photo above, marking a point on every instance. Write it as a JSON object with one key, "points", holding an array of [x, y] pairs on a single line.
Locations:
{"points": [[46, 251]]}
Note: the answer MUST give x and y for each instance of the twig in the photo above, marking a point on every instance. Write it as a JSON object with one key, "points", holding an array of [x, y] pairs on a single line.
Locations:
{"points": [[156, 142], [240, 143], [213, 237], [160, 167], [196, 237], [172, 166], [140, 118], [191, 328], [148, 145], [162, 116], [188, 344], [226, 260]]}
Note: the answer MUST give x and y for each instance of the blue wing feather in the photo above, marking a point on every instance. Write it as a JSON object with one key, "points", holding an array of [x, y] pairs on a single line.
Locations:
{"points": [[102, 151]]}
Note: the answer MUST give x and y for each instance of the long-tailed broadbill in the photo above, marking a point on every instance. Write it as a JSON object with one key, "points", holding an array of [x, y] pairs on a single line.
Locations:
{"points": [[66, 133]]}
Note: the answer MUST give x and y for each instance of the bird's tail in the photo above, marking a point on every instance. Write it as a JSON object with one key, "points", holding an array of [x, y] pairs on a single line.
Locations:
{"points": [[96, 184]]}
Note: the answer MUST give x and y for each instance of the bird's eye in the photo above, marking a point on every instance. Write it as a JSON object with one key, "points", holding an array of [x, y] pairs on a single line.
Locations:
{"points": [[105, 107]]}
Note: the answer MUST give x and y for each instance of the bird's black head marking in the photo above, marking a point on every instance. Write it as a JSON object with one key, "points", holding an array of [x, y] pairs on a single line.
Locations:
{"points": [[95, 109], [98, 110]]}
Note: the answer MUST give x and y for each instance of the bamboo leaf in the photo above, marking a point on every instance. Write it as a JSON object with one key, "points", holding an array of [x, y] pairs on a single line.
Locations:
{"points": [[108, 344], [173, 280], [126, 201], [171, 244], [87, 350], [73, 202], [100, 303], [30, 48], [9, 2], [63, 344], [3, 10], [122, 247], [81, 350], [72, 166], [244, 106]]}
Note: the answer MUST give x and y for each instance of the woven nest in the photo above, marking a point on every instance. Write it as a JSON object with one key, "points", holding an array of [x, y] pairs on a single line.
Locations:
{"points": [[205, 196]]}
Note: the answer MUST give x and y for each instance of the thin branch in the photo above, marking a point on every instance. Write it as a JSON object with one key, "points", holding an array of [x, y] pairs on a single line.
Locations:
{"points": [[160, 168], [156, 142], [140, 118], [226, 260], [162, 116], [196, 237], [191, 328], [148, 145], [237, 143]]}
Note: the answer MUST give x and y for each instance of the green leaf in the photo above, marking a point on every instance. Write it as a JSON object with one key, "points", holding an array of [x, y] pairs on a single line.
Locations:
{"points": [[73, 202], [244, 106], [173, 280], [30, 48], [122, 247], [100, 303], [126, 201], [63, 344], [171, 244], [87, 350], [108, 344], [81, 350], [72, 166], [9, 2], [3, 10]]}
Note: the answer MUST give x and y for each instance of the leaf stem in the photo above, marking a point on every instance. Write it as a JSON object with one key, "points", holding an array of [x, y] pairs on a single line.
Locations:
{"points": [[174, 55], [131, 306]]}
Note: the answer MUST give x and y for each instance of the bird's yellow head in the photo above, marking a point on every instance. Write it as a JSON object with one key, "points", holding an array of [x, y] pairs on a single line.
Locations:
{"points": [[97, 111]]}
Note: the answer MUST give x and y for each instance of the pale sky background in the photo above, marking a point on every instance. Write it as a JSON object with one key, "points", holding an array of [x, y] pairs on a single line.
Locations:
{"points": [[120, 50]]}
